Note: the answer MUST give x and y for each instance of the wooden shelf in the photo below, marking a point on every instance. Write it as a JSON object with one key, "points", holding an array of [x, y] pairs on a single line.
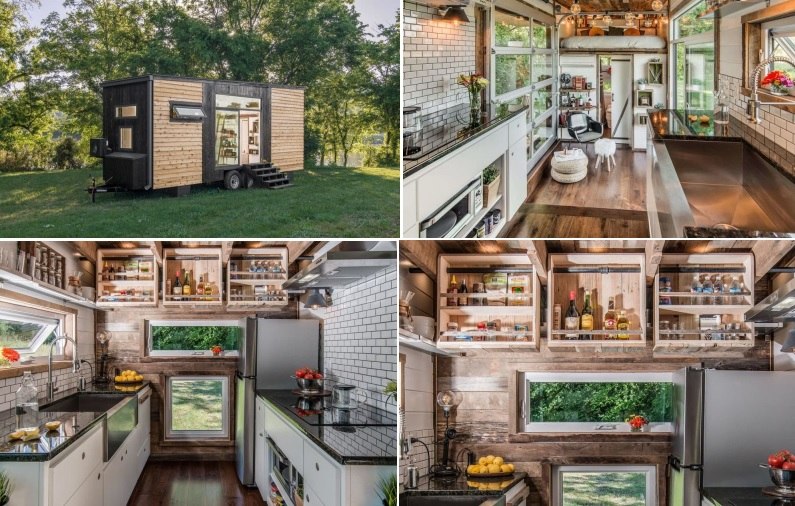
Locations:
{"points": [[596, 343], [113, 293], [25, 281], [203, 263], [416, 342], [680, 269], [245, 283], [503, 272]]}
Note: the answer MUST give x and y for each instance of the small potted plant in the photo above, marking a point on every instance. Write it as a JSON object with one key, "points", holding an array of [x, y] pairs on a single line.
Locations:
{"points": [[217, 350], [642, 82], [491, 185], [388, 490], [6, 487], [778, 83], [638, 423], [390, 390]]}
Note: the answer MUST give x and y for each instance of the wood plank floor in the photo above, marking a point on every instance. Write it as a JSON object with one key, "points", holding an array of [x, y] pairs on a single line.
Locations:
{"points": [[192, 483], [604, 204]]}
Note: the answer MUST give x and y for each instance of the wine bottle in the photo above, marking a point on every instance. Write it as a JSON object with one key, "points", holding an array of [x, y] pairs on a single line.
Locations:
{"points": [[572, 321], [610, 317], [622, 324], [586, 320], [177, 287], [462, 301], [186, 284], [200, 288], [453, 288]]}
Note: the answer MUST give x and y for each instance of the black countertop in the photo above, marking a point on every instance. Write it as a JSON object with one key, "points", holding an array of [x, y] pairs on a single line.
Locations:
{"points": [[465, 486], [73, 426], [447, 130], [675, 124], [371, 440], [741, 496]]}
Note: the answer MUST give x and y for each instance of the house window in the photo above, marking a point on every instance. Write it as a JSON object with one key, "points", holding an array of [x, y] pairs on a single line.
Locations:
{"points": [[610, 485], [781, 42], [126, 138], [126, 111], [185, 112], [197, 407], [693, 58], [28, 332], [193, 338], [230, 102], [596, 402]]}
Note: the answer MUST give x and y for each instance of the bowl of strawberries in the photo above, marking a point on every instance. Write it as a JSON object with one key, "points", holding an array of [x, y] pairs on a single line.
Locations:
{"points": [[781, 466], [308, 379]]}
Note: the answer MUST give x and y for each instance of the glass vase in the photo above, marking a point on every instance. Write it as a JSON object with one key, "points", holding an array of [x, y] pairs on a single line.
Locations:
{"points": [[474, 111]]}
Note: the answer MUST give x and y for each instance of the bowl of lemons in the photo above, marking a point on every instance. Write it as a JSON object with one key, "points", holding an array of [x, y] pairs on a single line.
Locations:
{"points": [[490, 467], [128, 376]]}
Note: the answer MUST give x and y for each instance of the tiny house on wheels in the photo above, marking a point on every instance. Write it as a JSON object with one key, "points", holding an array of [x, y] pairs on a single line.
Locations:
{"points": [[173, 132]]}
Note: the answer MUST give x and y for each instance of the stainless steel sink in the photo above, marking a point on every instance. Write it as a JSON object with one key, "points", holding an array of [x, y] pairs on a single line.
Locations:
{"points": [[444, 500], [82, 402]]}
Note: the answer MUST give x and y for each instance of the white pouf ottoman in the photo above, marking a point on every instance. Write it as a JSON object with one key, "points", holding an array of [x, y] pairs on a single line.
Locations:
{"points": [[569, 166], [605, 149]]}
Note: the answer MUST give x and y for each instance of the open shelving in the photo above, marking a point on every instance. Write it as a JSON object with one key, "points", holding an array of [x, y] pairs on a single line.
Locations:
{"points": [[697, 321], [501, 310], [203, 264], [255, 277], [126, 278], [618, 275]]}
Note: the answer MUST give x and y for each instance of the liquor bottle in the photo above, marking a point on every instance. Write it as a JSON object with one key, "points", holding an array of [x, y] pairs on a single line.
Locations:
{"points": [[177, 287], [453, 288], [111, 274], [586, 320], [696, 287], [462, 301], [622, 324], [105, 272], [556, 314], [572, 321], [200, 288], [186, 284], [610, 317]]}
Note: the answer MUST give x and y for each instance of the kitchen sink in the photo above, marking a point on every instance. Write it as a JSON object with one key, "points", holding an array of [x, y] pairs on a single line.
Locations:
{"points": [[83, 402], [444, 500]]}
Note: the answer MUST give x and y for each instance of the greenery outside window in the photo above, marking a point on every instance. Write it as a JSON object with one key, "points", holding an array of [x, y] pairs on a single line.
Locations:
{"points": [[609, 485], [197, 407], [175, 338], [126, 111], [781, 42], [693, 59], [596, 402], [28, 334]]}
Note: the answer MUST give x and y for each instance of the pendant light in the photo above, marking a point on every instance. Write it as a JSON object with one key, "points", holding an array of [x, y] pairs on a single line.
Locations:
{"points": [[657, 5], [576, 8], [316, 300], [789, 343], [454, 13]]}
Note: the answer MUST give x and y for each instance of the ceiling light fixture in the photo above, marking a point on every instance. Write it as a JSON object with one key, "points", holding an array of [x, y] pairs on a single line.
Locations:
{"points": [[576, 8], [454, 13], [316, 300], [657, 5]]}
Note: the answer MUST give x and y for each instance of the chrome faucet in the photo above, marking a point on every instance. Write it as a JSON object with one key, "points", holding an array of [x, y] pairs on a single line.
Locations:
{"points": [[51, 388], [753, 101]]}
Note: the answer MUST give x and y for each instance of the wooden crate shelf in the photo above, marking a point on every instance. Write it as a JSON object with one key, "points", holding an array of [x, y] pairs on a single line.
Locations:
{"points": [[202, 263], [618, 275], [248, 286], [689, 337], [518, 325], [133, 282]]}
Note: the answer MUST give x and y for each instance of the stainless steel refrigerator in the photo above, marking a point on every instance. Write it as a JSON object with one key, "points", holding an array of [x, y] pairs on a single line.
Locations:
{"points": [[269, 353], [725, 425]]}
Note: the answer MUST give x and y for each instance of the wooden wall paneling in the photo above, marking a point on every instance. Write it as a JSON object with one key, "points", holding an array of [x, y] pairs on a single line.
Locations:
{"points": [[287, 128], [177, 153], [768, 254], [423, 254]]}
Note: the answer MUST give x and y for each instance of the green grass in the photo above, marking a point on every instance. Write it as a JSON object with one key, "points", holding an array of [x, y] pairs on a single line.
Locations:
{"points": [[196, 405], [325, 202], [604, 489]]}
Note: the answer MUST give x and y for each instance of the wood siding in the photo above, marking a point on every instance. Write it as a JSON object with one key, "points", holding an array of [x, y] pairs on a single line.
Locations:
{"points": [[177, 153], [127, 347], [287, 128]]}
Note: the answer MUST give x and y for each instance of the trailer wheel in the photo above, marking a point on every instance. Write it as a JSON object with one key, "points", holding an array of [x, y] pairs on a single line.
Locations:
{"points": [[233, 180]]}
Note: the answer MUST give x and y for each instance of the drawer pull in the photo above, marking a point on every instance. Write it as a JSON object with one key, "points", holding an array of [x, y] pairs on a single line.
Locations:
{"points": [[317, 466], [99, 476], [307, 497], [83, 456]]}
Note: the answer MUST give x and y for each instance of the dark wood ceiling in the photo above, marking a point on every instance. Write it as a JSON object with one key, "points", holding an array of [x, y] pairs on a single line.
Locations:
{"points": [[597, 246], [614, 5]]}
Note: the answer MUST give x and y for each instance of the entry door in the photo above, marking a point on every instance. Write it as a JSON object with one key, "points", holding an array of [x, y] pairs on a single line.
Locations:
{"points": [[621, 81]]}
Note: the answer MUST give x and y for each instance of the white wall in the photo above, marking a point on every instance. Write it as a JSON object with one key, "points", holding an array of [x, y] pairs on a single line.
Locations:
{"points": [[419, 404]]}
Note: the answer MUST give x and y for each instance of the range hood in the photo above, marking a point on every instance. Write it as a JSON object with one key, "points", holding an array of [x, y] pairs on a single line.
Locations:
{"points": [[779, 306], [339, 264]]}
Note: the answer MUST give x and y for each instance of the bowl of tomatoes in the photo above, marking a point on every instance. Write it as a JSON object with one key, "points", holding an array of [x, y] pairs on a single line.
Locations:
{"points": [[308, 379], [781, 466]]}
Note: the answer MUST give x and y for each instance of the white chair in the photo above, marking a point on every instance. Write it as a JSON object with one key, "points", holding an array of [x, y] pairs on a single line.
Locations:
{"points": [[605, 149]]}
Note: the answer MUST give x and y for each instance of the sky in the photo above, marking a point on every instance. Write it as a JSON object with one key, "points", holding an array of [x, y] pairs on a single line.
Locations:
{"points": [[372, 12]]}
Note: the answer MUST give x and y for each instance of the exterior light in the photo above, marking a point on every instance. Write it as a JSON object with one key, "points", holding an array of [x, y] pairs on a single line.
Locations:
{"points": [[454, 13]]}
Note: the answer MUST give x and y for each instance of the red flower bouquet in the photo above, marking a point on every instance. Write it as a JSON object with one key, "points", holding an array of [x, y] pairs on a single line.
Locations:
{"points": [[777, 82], [9, 355], [637, 422]]}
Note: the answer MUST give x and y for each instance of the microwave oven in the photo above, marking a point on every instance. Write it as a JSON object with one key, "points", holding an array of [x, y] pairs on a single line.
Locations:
{"points": [[456, 214]]}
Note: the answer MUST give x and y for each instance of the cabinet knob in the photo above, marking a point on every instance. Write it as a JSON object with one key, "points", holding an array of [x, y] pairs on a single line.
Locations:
{"points": [[317, 466], [99, 475], [84, 456], [307, 497], [122, 458]]}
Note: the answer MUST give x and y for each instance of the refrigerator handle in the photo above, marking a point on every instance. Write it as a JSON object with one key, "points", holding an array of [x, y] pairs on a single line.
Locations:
{"points": [[675, 463]]}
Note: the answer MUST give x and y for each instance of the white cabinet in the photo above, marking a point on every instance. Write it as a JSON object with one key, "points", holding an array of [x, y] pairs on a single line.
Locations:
{"points": [[70, 469], [320, 473], [517, 178], [261, 466], [312, 498], [141, 434], [288, 439], [120, 476], [90, 492]]}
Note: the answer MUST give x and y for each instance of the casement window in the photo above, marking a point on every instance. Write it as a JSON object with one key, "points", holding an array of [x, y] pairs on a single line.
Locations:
{"points": [[126, 111], [630, 485], [29, 331], [780, 41], [595, 402], [197, 407], [126, 138], [230, 102], [187, 112], [178, 338], [693, 59]]}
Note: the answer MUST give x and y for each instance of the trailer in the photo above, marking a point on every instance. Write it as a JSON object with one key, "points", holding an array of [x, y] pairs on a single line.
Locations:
{"points": [[173, 132]]}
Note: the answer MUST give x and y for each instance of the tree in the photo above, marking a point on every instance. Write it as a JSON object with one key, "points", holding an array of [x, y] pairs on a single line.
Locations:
{"points": [[383, 90], [66, 154]]}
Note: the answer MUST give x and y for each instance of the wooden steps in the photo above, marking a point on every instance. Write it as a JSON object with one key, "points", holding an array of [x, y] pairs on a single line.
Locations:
{"points": [[269, 175]]}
